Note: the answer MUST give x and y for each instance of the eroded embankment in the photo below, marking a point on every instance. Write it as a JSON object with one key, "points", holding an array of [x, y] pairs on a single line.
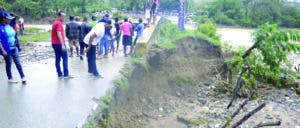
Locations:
{"points": [[170, 79]]}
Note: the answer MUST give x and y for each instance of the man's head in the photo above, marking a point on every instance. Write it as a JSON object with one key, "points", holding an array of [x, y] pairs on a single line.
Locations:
{"points": [[116, 20], [71, 18], [94, 18], [61, 15], [125, 19], [108, 24], [77, 18], [140, 20], [85, 19]]}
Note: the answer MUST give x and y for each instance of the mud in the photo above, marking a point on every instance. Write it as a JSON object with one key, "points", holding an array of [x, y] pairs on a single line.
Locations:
{"points": [[178, 89]]}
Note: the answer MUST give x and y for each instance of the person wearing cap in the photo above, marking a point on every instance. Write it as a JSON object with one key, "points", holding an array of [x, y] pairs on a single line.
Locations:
{"points": [[9, 46], [92, 39], [104, 43], [59, 46]]}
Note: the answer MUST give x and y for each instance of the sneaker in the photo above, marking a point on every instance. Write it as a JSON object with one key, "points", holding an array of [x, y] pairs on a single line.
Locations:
{"points": [[99, 76], [81, 57], [68, 77], [12, 81], [23, 81]]}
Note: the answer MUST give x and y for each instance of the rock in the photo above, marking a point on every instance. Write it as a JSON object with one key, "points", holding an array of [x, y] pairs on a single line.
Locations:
{"points": [[268, 116], [161, 109], [178, 94]]}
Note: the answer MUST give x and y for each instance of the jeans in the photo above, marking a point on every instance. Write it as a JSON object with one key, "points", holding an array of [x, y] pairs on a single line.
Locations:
{"points": [[91, 59], [21, 30], [8, 62], [104, 44], [61, 54]]}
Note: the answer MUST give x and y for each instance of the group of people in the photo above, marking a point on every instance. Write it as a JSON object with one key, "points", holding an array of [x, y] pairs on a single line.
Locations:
{"points": [[92, 37], [95, 38]]}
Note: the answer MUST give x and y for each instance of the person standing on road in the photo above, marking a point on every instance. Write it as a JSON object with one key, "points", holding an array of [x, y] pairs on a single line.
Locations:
{"points": [[92, 39], [104, 43], [59, 46], [84, 30], [139, 31], [126, 32], [9, 46], [93, 22], [118, 33], [72, 33], [21, 28]]}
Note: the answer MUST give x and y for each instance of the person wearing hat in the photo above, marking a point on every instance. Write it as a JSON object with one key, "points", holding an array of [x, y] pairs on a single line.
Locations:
{"points": [[92, 39], [9, 47]]}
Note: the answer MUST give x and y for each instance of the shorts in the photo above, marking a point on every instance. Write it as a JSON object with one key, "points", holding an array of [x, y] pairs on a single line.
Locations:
{"points": [[127, 40], [73, 42]]}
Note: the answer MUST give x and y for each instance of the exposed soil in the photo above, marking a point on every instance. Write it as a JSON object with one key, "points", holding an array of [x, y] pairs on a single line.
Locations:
{"points": [[178, 90]]}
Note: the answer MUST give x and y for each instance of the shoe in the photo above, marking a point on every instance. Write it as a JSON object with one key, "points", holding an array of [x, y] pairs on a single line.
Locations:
{"points": [[105, 56], [99, 76], [23, 80], [81, 57], [71, 55], [12, 81], [68, 77]]}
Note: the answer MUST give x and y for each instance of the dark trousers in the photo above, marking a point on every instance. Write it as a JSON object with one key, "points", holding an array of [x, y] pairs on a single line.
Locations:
{"points": [[91, 59], [82, 46], [15, 56], [58, 55]]}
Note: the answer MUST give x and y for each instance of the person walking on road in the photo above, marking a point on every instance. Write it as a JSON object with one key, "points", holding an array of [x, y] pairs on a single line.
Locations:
{"points": [[59, 46], [92, 39], [9, 46], [72, 33], [139, 31], [126, 32]]}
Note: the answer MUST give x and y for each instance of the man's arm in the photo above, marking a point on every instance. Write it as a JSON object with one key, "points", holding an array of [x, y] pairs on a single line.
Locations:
{"points": [[59, 35], [90, 42]]}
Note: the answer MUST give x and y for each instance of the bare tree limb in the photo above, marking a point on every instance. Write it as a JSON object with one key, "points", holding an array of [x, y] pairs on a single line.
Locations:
{"points": [[239, 83], [248, 115], [261, 124]]}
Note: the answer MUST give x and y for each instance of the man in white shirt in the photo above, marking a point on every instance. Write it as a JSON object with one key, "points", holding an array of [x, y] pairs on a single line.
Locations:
{"points": [[92, 39]]}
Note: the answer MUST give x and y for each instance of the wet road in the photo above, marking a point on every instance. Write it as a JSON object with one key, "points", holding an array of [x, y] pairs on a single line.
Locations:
{"points": [[49, 102]]}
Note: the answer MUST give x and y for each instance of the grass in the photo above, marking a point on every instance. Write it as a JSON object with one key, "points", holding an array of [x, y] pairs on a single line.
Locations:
{"points": [[32, 34]]}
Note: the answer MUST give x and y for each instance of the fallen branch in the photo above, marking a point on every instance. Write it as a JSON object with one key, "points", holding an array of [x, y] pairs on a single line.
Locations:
{"points": [[235, 113], [248, 115], [261, 124], [239, 83]]}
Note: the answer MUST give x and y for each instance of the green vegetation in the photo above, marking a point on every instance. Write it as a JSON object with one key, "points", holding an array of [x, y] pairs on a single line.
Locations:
{"points": [[248, 13], [267, 59], [34, 35], [168, 34]]}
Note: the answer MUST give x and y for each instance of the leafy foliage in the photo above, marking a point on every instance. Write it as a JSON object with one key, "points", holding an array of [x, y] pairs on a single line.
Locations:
{"points": [[249, 13], [267, 58]]}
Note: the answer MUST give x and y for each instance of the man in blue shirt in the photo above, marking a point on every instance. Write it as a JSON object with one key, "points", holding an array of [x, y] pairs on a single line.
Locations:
{"points": [[139, 31]]}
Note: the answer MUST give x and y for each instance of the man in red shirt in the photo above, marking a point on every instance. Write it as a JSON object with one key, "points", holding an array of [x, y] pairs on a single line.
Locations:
{"points": [[59, 46]]}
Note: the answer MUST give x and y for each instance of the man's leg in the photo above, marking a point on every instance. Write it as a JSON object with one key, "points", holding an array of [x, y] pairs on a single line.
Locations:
{"points": [[57, 51], [65, 62]]}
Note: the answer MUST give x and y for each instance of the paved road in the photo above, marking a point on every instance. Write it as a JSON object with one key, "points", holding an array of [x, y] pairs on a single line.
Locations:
{"points": [[48, 102]]}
